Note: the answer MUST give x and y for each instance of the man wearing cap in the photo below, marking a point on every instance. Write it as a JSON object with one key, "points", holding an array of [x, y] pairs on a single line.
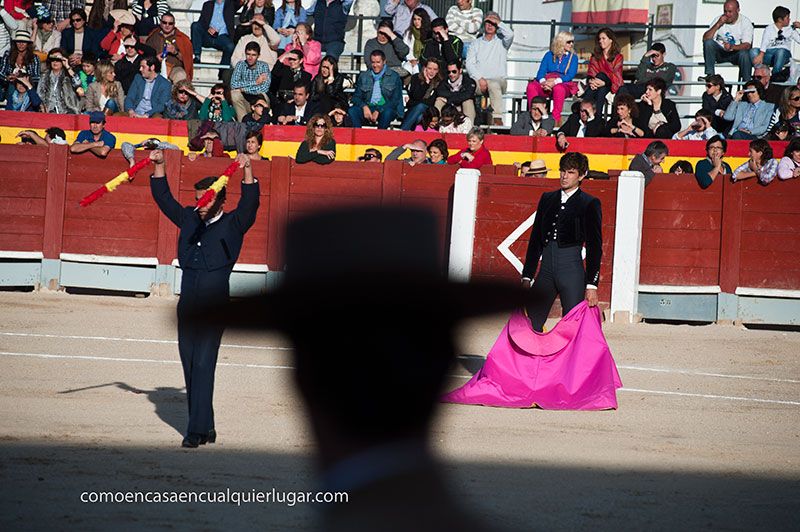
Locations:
{"points": [[534, 168], [418, 149], [566, 220], [96, 139], [209, 243], [487, 61], [174, 49]]}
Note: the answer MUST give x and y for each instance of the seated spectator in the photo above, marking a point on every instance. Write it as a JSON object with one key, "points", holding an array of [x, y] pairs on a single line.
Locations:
{"points": [[111, 44], [761, 164], [781, 131], [184, 103], [750, 118], [535, 168], [652, 65], [430, 121], [772, 92], [465, 22], [100, 14], [262, 33], [303, 39], [457, 89], [699, 129], [127, 67], [96, 139], [55, 87], [83, 76], [649, 162], [52, 135], [535, 122], [422, 93], [789, 110], [776, 43], [299, 111], [287, 17], [149, 92], [681, 167], [339, 116], [319, 146], [330, 19], [378, 97], [438, 152], [264, 10], [105, 94], [789, 165], [250, 80], [149, 14], [487, 63], [415, 38], [418, 150], [729, 40], [716, 99], [583, 123], [475, 154], [707, 170], [212, 146], [441, 45], [252, 145], [605, 69], [392, 47], [45, 36], [328, 87], [625, 121], [20, 59], [556, 71], [215, 29], [217, 107], [452, 120], [371, 155], [658, 114], [260, 113], [402, 10], [174, 49], [286, 74], [88, 38], [24, 97]]}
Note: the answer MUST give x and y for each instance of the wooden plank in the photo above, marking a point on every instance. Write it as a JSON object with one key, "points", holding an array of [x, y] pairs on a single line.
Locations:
{"points": [[774, 262], [143, 229], [682, 201], [773, 203], [115, 247], [54, 206], [313, 202], [337, 170], [22, 206], [35, 187], [681, 220], [679, 275], [771, 222], [327, 186], [757, 241], [787, 280], [665, 184], [124, 194], [680, 239], [278, 211], [22, 224], [20, 242], [680, 257]]}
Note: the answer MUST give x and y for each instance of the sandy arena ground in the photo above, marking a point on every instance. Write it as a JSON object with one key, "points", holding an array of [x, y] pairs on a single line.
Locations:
{"points": [[707, 435]]}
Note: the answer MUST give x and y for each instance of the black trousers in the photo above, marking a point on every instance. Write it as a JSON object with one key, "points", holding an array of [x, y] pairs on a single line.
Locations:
{"points": [[198, 343], [561, 273]]}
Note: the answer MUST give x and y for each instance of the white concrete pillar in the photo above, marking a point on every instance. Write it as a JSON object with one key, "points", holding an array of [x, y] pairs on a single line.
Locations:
{"points": [[462, 231], [627, 246]]}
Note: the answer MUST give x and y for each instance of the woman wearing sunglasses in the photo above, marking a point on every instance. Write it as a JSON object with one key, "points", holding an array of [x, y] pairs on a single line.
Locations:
{"points": [[556, 71], [716, 99], [788, 110], [319, 146]]}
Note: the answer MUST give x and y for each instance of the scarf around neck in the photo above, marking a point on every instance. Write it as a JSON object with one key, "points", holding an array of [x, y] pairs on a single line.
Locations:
{"points": [[377, 79]]}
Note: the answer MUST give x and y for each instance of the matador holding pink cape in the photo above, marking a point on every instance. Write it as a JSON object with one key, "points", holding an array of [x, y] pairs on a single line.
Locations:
{"points": [[569, 367]]}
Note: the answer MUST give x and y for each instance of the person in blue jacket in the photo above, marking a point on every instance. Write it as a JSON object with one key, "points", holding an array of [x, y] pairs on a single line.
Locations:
{"points": [[556, 72], [378, 97], [149, 92]]}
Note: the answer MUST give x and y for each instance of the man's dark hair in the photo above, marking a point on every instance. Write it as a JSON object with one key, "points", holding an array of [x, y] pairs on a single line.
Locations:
{"points": [[253, 46], [89, 58], [77, 11], [659, 47], [656, 148], [298, 52], [684, 165], [206, 182], [386, 23], [778, 13], [717, 138], [168, 14], [539, 99], [659, 85], [705, 113], [574, 161], [589, 101], [152, 62], [716, 79], [299, 85], [378, 53], [439, 22], [762, 146], [456, 62], [55, 132]]}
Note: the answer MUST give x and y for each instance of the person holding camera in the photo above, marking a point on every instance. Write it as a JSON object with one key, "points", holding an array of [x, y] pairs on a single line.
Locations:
{"points": [[652, 65], [750, 113], [392, 45], [55, 86], [699, 129], [442, 45], [487, 63], [217, 107]]}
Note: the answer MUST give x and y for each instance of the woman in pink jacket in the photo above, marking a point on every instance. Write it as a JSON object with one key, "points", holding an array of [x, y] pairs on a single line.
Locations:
{"points": [[303, 39]]}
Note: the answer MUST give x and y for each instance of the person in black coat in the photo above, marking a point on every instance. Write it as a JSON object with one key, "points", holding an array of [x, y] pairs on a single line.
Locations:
{"points": [[299, 111], [91, 38], [251, 8], [128, 66], [625, 121], [422, 93], [715, 100], [220, 38], [286, 76], [327, 89], [457, 89], [566, 219], [208, 246], [442, 46], [657, 114], [583, 122]]}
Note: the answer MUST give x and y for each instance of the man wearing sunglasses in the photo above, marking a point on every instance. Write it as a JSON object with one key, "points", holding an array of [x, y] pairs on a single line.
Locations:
{"points": [[371, 155], [458, 89], [80, 39], [174, 49], [127, 67], [652, 65], [716, 100]]}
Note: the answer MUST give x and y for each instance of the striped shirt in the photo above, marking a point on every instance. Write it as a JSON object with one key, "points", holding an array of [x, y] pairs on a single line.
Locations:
{"points": [[244, 77], [161, 7]]}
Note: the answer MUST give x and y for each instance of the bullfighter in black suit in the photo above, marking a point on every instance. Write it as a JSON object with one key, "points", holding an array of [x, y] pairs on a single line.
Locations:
{"points": [[566, 219], [208, 246]]}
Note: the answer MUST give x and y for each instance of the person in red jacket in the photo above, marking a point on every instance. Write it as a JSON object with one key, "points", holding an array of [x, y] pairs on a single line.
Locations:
{"points": [[605, 69], [475, 155]]}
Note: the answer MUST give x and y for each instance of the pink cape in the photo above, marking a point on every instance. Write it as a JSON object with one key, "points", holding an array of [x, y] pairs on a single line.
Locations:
{"points": [[567, 368]]}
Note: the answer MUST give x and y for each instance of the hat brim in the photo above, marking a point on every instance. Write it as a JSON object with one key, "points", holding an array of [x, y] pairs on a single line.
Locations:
{"points": [[347, 299]]}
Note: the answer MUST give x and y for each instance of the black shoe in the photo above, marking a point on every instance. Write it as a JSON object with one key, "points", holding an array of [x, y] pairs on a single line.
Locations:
{"points": [[196, 59], [211, 437], [192, 440]]}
